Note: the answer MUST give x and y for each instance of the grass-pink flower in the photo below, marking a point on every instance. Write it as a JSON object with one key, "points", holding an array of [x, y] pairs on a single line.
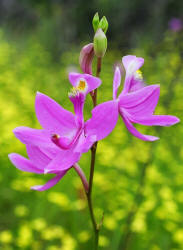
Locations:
{"points": [[135, 104], [60, 144]]}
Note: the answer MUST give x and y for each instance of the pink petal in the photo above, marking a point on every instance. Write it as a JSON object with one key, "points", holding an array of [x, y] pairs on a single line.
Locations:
{"points": [[92, 82], [136, 84], [37, 137], [78, 101], [86, 58], [51, 152], [52, 182], [136, 133], [158, 120], [37, 156], [85, 143], [103, 121], [52, 116], [24, 164], [133, 99], [116, 82], [146, 107], [63, 161], [131, 65]]}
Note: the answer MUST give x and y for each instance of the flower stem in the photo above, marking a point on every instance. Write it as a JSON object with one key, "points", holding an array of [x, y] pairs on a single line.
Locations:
{"points": [[88, 189], [82, 176], [99, 66], [96, 227], [94, 93], [89, 197]]}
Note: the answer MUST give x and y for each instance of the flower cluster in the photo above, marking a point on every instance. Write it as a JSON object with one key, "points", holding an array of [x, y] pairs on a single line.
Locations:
{"points": [[65, 136]]}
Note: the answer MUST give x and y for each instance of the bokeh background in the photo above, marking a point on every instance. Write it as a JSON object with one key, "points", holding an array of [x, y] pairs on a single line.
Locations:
{"points": [[138, 185]]}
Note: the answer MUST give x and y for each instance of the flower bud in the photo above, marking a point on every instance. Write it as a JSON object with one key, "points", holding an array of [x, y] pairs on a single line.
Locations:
{"points": [[100, 43], [103, 24], [95, 22], [86, 58]]}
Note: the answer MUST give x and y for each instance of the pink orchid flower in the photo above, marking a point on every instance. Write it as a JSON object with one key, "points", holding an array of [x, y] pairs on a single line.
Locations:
{"points": [[60, 144], [135, 104]]}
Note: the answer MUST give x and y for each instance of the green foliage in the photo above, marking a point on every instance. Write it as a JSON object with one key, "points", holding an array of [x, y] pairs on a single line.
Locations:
{"points": [[129, 20], [137, 184]]}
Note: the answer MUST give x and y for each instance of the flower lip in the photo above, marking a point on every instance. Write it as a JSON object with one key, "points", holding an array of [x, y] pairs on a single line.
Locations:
{"points": [[81, 87], [138, 75], [82, 84], [90, 81]]}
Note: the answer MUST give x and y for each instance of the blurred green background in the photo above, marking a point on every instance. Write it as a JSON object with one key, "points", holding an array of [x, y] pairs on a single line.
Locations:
{"points": [[138, 185]]}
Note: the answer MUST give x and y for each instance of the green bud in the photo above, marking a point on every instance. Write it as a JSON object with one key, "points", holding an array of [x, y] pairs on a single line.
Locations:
{"points": [[100, 43], [103, 24], [95, 22]]}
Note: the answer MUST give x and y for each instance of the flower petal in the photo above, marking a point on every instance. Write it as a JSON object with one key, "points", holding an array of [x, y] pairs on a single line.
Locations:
{"points": [[24, 164], [51, 152], [85, 143], [52, 116], [135, 132], [63, 161], [133, 99], [157, 120], [136, 83], [131, 65], [78, 101], [52, 182], [146, 107], [103, 121], [86, 58], [37, 137], [92, 82], [116, 82], [37, 156]]}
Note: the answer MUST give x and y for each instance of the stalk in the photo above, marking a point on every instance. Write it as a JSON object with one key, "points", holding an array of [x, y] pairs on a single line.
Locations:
{"points": [[96, 227], [82, 176]]}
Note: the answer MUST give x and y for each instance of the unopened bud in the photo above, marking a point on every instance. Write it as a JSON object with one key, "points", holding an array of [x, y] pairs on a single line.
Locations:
{"points": [[95, 22], [86, 58], [100, 43], [103, 24]]}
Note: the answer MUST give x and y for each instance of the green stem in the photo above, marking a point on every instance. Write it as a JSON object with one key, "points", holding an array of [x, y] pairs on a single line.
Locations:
{"points": [[99, 66], [82, 176], [96, 227]]}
